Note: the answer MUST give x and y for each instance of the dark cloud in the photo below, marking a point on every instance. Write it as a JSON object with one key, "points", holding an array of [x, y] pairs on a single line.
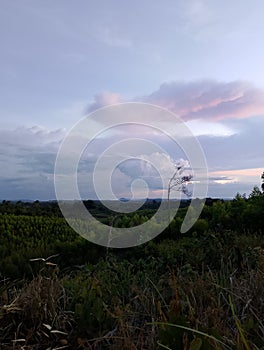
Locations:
{"points": [[229, 190], [240, 151], [27, 158], [220, 178]]}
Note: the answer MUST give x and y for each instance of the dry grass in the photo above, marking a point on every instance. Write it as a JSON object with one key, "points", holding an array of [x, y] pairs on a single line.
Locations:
{"points": [[227, 305], [35, 316]]}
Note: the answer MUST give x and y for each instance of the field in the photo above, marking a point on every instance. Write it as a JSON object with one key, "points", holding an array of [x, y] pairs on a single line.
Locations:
{"points": [[199, 290]]}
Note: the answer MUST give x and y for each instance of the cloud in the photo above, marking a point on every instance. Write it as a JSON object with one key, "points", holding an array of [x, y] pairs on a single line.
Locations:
{"points": [[230, 145], [242, 150], [210, 100], [104, 99], [226, 183], [27, 157], [229, 190], [200, 100], [35, 135], [155, 169], [137, 169], [201, 127], [247, 175], [222, 180]]}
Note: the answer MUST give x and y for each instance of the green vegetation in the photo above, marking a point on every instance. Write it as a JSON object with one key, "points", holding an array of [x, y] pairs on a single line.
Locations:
{"points": [[201, 290]]}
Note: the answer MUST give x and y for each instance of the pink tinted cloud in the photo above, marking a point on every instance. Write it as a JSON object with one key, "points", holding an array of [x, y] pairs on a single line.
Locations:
{"points": [[250, 175], [104, 99], [210, 100], [256, 172], [207, 99]]}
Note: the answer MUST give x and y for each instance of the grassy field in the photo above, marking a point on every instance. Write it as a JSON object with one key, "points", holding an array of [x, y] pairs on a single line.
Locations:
{"points": [[200, 290]]}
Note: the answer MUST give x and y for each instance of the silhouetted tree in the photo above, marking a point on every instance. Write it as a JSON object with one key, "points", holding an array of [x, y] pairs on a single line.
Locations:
{"points": [[179, 181]]}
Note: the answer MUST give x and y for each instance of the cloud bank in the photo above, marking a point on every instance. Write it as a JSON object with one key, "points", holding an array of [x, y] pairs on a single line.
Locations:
{"points": [[228, 119], [207, 99], [27, 157]]}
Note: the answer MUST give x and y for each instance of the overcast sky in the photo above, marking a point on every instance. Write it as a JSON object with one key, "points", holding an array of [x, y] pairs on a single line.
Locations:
{"points": [[202, 60]]}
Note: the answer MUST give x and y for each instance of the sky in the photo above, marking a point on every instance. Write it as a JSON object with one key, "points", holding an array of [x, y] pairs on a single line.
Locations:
{"points": [[60, 60]]}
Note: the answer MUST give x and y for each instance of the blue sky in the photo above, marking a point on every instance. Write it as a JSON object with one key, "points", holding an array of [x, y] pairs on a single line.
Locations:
{"points": [[60, 59]]}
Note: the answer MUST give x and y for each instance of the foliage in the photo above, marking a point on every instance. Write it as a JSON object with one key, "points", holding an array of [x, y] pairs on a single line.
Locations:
{"points": [[202, 290]]}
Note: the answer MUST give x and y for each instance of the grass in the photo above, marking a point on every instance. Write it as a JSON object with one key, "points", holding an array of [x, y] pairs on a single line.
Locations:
{"points": [[114, 305]]}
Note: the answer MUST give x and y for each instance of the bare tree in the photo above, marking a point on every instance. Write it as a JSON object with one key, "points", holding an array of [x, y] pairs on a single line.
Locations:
{"points": [[178, 182]]}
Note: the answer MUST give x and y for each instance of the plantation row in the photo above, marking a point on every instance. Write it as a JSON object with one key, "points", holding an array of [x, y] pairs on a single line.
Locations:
{"points": [[24, 237]]}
